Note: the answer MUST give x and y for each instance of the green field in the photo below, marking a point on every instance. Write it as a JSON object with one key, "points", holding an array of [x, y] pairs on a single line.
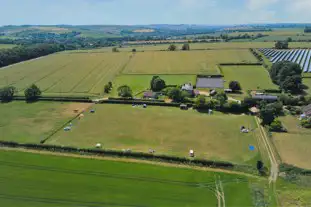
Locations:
{"points": [[66, 73], [293, 146], [250, 77], [24, 122], [166, 130], [41, 180], [139, 83], [307, 82], [6, 46], [192, 62]]}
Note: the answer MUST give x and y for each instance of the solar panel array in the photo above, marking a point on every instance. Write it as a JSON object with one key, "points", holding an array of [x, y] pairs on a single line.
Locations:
{"points": [[299, 56]]}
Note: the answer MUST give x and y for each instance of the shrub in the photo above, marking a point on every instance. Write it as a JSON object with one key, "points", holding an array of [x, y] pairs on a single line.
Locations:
{"points": [[133, 50], [172, 47], [306, 123], [114, 49], [176, 95], [32, 93], [276, 126], [200, 102], [108, 87], [186, 46]]}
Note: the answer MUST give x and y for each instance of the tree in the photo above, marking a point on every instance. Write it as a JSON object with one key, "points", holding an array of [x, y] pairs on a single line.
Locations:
{"points": [[106, 88], [110, 84], [186, 46], [235, 86], [306, 123], [114, 49], [176, 95], [260, 167], [221, 97], [32, 93], [133, 50], [172, 47], [292, 84], [125, 91], [7, 93], [157, 84], [289, 39], [281, 45], [200, 102], [267, 115]]}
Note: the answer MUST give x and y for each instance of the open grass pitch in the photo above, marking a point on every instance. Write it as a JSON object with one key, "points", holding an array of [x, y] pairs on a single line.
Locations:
{"points": [[31, 180], [166, 130]]}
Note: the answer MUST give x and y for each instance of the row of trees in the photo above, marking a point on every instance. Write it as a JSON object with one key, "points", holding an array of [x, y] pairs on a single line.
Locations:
{"points": [[22, 53], [32, 93], [281, 45], [173, 47]]}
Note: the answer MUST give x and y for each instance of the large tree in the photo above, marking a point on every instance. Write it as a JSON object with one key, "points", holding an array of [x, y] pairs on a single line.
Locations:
{"points": [[235, 86], [157, 84], [221, 97], [176, 95], [125, 91], [172, 47], [7, 93], [200, 102], [32, 93], [281, 45]]}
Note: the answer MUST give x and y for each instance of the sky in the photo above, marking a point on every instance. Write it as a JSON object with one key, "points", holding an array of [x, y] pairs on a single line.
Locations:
{"points": [[133, 12]]}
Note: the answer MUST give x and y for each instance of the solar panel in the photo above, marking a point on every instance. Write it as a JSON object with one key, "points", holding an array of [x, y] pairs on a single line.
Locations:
{"points": [[300, 57], [283, 56], [282, 53], [270, 52], [278, 53], [293, 55], [304, 58], [305, 69], [297, 56], [289, 55], [274, 53]]}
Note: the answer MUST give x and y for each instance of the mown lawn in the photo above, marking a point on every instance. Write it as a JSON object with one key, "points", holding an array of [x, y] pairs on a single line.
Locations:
{"points": [[166, 130], [30, 180], [139, 83], [250, 77], [293, 146], [30, 123], [307, 82]]}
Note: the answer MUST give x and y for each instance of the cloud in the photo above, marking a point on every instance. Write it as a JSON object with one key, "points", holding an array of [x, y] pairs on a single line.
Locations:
{"points": [[260, 4]]}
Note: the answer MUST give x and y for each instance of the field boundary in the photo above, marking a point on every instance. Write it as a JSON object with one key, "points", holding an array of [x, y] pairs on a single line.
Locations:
{"points": [[132, 155]]}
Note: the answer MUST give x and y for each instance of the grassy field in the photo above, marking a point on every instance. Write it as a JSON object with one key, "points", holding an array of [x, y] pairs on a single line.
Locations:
{"points": [[307, 82], [166, 130], [42, 180], [293, 146], [23, 122], [66, 73], [192, 62], [250, 77], [139, 83], [6, 46]]}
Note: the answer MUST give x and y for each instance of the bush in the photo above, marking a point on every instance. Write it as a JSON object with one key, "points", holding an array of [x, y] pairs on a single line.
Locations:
{"points": [[306, 123], [7, 93], [125, 91], [276, 126], [32, 93], [115, 49], [108, 87], [176, 95], [200, 102], [133, 50], [281, 45], [172, 47]]}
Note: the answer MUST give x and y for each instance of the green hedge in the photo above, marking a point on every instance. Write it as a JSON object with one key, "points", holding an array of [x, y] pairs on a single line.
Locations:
{"points": [[57, 98], [228, 64], [290, 169], [138, 155], [148, 102]]}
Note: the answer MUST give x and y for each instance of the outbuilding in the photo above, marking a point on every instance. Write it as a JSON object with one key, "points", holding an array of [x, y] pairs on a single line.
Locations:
{"points": [[307, 111]]}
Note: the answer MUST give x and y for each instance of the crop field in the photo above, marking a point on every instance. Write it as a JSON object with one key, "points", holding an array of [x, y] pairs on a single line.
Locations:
{"points": [[293, 146], [33, 180], [139, 83], [30, 123], [6, 46], [192, 62], [250, 77], [166, 130], [66, 73]]}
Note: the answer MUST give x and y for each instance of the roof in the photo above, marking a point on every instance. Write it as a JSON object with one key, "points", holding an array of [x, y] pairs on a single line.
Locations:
{"points": [[265, 97], [254, 110], [187, 87], [206, 82], [307, 110], [150, 94]]}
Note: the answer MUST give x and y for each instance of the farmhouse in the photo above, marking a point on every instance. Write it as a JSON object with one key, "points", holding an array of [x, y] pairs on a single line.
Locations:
{"points": [[188, 87], [150, 94], [307, 110]]}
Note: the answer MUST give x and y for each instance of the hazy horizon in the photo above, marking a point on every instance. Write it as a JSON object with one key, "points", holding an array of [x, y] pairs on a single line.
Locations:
{"points": [[144, 12]]}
